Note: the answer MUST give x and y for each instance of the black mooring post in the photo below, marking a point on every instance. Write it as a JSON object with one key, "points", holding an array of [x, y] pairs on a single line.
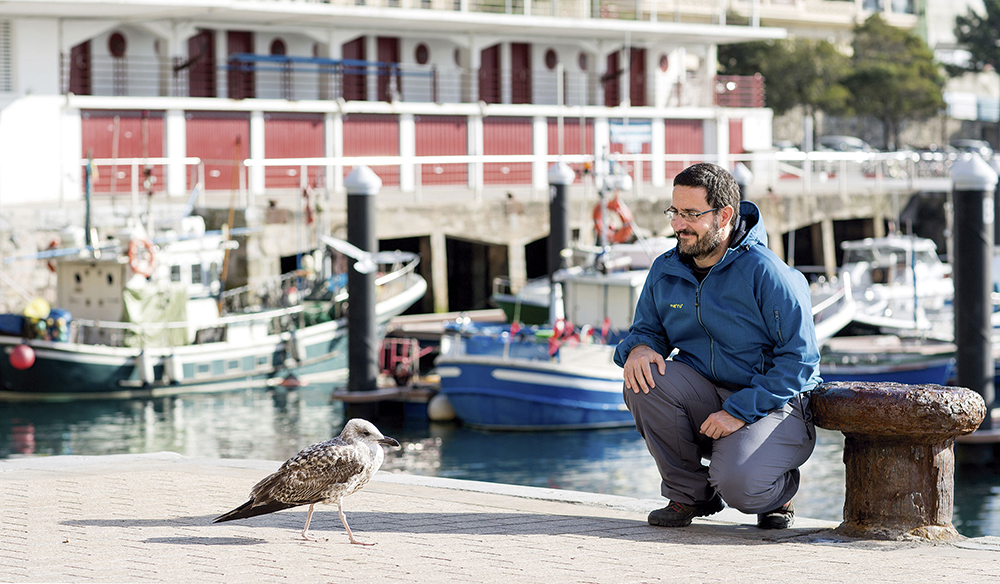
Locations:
{"points": [[973, 186], [560, 176], [362, 184], [743, 178]]}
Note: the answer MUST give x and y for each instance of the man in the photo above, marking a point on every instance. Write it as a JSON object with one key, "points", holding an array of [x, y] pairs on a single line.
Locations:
{"points": [[735, 391]]}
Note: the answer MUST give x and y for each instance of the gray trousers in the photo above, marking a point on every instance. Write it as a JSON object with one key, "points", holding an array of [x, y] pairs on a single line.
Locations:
{"points": [[755, 469]]}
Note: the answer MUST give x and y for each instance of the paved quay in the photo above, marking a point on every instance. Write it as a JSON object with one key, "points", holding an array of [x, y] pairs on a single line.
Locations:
{"points": [[147, 518]]}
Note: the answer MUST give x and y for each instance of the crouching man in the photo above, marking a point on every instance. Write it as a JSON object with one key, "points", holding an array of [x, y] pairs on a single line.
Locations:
{"points": [[736, 391]]}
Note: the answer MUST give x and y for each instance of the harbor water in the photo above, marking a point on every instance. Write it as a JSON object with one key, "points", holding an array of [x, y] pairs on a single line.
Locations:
{"points": [[275, 424]]}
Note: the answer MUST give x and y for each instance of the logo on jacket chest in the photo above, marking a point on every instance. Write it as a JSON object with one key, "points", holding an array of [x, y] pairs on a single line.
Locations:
{"points": [[676, 305]]}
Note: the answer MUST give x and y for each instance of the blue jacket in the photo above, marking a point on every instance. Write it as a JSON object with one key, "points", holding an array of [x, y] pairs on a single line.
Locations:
{"points": [[747, 326]]}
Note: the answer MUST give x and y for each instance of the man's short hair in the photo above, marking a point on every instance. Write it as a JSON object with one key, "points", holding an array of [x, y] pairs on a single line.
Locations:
{"points": [[718, 182]]}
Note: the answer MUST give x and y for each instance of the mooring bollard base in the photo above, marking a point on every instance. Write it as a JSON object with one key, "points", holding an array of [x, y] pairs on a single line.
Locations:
{"points": [[923, 533], [901, 488]]}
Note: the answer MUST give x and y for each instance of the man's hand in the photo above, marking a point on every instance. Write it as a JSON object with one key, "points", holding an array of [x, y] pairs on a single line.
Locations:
{"points": [[638, 368], [721, 424]]}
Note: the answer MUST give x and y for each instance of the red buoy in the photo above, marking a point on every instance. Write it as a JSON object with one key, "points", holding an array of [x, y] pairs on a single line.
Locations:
{"points": [[22, 357]]}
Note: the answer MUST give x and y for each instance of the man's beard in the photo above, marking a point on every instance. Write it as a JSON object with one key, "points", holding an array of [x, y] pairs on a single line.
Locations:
{"points": [[703, 246]]}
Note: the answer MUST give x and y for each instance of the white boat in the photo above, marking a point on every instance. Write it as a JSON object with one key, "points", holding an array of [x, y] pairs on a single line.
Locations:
{"points": [[833, 306], [116, 333], [900, 284]]}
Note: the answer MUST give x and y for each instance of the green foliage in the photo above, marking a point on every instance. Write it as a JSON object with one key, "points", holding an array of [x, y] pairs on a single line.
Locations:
{"points": [[894, 76], [891, 76], [978, 34], [798, 72]]}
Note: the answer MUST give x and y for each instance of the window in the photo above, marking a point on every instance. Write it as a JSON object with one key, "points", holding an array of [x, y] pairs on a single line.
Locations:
{"points": [[196, 273], [551, 59], [422, 54], [116, 45], [175, 273], [6, 58], [278, 47]]}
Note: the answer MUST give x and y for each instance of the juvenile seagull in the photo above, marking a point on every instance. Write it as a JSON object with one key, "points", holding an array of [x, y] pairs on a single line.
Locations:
{"points": [[325, 472]]}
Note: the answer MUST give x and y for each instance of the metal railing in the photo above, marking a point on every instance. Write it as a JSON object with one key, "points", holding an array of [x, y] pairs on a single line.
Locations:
{"points": [[247, 76]]}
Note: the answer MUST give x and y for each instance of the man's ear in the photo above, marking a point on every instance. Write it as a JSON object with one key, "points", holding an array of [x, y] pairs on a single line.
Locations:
{"points": [[726, 214]]}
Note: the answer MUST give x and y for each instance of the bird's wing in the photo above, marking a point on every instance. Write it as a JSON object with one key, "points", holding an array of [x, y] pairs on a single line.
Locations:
{"points": [[307, 477]]}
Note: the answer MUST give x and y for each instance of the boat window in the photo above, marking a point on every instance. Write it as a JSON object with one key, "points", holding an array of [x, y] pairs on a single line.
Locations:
{"points": [[202, 369], [196, 273], [175, 273], [232, 364], [263, 361]]}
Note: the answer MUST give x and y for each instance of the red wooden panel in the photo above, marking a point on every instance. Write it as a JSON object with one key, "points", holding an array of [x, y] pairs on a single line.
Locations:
{"points": [[291, 135], [201, 64], [355, 81], [572, 134], [507, 136], [136, 138], [682, 137], [736, 137], [79, 69], [520, 73], [240, 81], [222, 141], [489, 74], [388, 52], [637, 80], [442, 135], [612, 91], [373, 135]]}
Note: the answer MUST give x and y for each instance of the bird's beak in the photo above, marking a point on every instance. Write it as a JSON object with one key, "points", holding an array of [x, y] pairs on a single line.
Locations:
{"points": [[388, 441]]}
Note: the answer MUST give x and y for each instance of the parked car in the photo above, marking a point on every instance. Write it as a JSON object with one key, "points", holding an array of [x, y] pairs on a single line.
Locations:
{"points": [[843, 144], [980, 147]]}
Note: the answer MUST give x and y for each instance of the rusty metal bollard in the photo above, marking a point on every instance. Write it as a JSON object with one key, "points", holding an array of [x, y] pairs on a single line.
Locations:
{"points": [[898, 453]]}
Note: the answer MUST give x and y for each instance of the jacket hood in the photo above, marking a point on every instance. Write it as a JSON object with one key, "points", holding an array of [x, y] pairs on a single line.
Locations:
{"points": [[749, 229]]}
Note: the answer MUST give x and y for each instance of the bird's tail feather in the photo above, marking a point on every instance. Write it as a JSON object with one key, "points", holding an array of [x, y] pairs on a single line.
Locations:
{"points": [[249, 510]]}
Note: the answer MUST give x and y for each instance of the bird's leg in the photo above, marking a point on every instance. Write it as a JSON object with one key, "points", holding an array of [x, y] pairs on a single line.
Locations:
{"points": [[305, 534], [343, 519]]}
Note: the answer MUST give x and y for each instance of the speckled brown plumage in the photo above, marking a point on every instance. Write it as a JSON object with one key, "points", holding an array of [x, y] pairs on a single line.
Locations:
{"points": [[325, 472]]}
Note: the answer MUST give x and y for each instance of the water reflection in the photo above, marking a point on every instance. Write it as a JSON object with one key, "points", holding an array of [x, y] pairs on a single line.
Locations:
{"points": [[273, 425]]}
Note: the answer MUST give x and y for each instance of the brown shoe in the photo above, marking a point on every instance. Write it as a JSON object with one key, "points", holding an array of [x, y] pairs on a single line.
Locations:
{"points": [[678, 514], [781, 518]]}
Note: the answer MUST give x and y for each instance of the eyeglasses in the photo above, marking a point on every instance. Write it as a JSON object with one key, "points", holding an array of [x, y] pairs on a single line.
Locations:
{"points": [[688, 216]]}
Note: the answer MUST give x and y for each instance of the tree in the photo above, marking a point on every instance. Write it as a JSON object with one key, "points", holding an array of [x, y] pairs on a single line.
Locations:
{"points": [[798, 72], [978, 35], [895, 78]]}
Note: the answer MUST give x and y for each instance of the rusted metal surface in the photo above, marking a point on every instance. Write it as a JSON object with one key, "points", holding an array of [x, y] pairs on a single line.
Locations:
{"points": [[893, 409], [900, 464]]}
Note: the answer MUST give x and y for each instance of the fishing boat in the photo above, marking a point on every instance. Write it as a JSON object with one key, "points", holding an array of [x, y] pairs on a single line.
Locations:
{"points": [[900, 285], [833, 306], [531, 304], [140, 316], [872, 358], [556, 377]]}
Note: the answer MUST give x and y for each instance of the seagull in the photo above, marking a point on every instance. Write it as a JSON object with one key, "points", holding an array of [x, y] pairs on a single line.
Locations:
{"points": [[325, 472]]}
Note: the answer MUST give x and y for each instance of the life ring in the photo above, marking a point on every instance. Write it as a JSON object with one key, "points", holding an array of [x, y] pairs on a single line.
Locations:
{"points": [[141, 260], [615, 208], [51, 263]]}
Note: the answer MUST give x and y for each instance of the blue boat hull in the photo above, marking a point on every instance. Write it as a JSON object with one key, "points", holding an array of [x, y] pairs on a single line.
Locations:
{"points": [[937, 372], [498, 394]]}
